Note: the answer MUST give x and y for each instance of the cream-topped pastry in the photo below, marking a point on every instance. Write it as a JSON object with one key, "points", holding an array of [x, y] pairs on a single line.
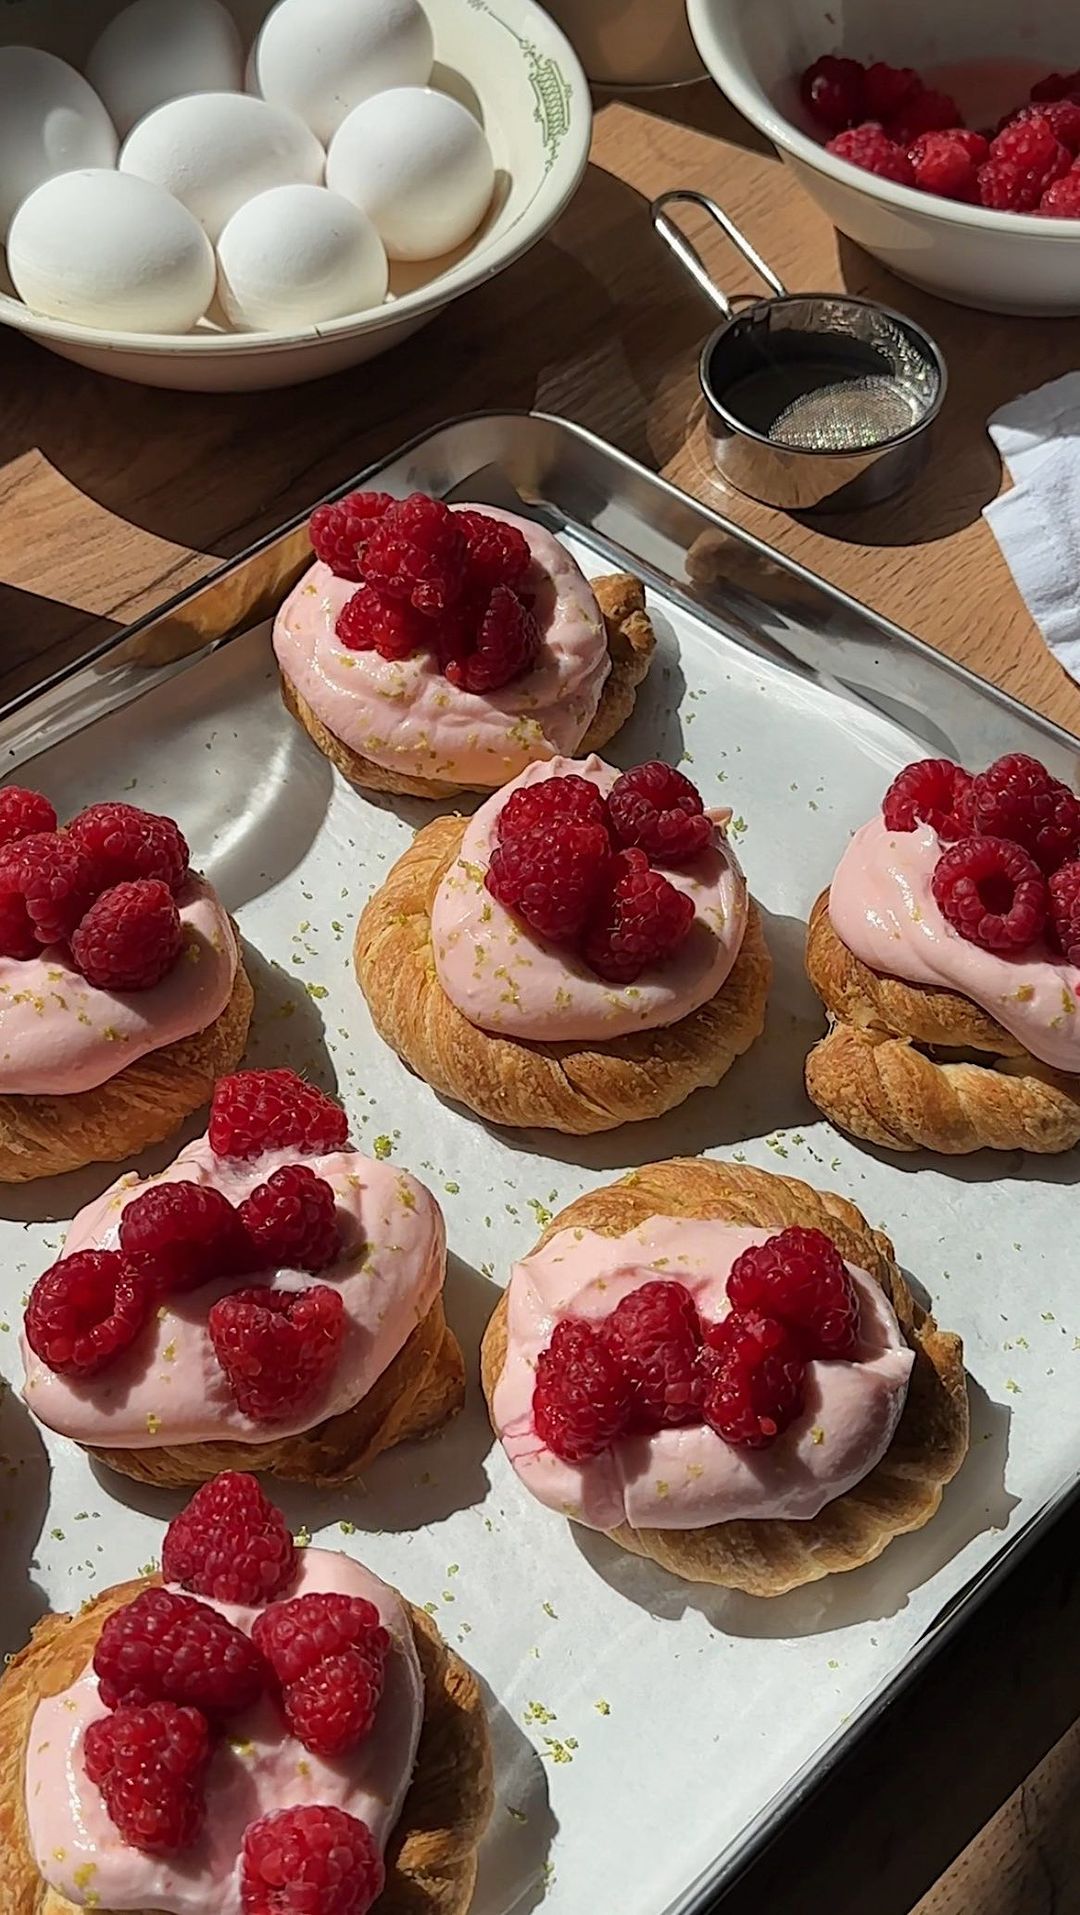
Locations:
{"points": [[687, 1477], [506, 979], [256, 1769], [60, 1034], [168, 1387], [405, 715], [882, 905]]}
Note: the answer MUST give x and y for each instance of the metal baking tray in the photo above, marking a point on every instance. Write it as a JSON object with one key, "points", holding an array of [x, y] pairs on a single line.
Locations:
{"points": [[646, 1732]]}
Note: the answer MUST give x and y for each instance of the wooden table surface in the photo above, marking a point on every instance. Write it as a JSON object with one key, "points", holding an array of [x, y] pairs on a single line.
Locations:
{"points": [[114, 497]]}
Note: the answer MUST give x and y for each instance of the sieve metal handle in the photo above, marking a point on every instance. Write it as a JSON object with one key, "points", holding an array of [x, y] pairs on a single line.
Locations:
{"points": [[686, 252]]}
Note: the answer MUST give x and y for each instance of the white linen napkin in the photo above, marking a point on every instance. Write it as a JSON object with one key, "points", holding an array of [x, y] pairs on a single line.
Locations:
{"points": [[1037, 523]]}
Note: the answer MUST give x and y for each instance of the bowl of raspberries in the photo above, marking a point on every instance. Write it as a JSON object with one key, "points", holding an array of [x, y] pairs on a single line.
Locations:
{"points": [[942, 138]]}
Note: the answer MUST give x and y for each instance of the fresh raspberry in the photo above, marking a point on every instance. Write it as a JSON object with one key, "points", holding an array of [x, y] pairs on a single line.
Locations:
{"points": [[256, 1111], [1017, 798], [654, 1336], [991, 892], [655, 807], [581, 1401], [945, 164], [23, 814], [1061, 116], [371, 622], [928, 792], [834, 91], [182, 1235], [1032, 146], [1005, 187], [125, 842], [166, 1647], [230, 1543], [550, 877], [329, 1654], [296, 1636], [800, 1278], [550, 805], [507, 644], [1056, 86], [277, 1346], [17, 938], [1061, 199], [498, 553], [869, 147], [334, 1707], [52, 879], [887, 89], [925, 111], [640, 919], [86, 1310], [310, 1861], [149, 1765], [291, 1221], [340, 531], [1064, 888], [754, 1372], [417, 553], [130, 938]]}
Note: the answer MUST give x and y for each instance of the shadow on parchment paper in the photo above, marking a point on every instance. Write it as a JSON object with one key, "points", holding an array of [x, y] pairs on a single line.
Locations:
{"points": [[24, 1502], [762, 1093], [286, 1028], [410, 1487], [512, 1876], [974, 1502], [984, 1166]]}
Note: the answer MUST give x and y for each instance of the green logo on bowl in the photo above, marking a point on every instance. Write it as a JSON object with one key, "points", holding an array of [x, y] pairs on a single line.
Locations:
{"points": [[551, 89]]}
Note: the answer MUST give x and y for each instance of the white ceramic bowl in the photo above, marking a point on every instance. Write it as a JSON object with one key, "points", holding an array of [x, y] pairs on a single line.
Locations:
{"points": [[1000, 262], [505, 58]]}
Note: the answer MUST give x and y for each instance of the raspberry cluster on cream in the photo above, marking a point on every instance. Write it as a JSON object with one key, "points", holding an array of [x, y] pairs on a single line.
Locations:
{"points": [[243, 1736], [888, 121], [585, 904], [455, 643], [972, 883], [259, 1285], [692, 1372], [110, 946]]}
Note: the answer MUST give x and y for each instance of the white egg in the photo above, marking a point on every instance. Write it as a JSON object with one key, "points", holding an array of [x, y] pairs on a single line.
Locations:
{"points": [[157, 50], [297, 255], [107, 249], [322, 57], [213, 151], [418, 164], [50, 121]]}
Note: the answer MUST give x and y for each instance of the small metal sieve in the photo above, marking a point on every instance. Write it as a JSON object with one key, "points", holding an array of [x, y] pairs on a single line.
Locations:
{"points": [[814, 401]]}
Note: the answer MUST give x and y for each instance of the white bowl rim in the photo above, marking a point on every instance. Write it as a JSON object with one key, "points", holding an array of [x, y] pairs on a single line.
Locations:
{"points": [[757, 107], [566, 176]]}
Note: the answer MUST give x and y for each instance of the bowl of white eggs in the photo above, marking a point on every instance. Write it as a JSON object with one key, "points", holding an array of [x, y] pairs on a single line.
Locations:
{"points": [[223, 195]]}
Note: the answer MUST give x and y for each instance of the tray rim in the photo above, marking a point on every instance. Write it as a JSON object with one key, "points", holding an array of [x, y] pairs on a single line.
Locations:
{"points": [[710, 1889]]}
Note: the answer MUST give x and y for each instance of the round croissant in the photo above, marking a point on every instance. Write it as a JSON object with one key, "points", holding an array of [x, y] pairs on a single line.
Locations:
{"points": [[140, 1106], [431, 1855], [772, 1555], [574, 1087], [874, 1074], [631, 643], [416, 1394]]}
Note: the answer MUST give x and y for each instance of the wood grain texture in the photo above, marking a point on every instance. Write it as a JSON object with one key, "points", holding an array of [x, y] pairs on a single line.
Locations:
{"points": [[112, 498]]}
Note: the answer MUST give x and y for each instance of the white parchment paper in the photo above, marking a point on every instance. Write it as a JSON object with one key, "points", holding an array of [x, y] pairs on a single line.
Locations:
{"points": [[639, 1724]]}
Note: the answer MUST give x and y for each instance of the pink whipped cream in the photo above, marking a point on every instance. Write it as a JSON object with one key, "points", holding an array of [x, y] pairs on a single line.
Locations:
{"points": [[504, 978], [169, 1388], [690, 1478], [257, 1768], [883, 909], [58, 1034], [408, 717]]}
